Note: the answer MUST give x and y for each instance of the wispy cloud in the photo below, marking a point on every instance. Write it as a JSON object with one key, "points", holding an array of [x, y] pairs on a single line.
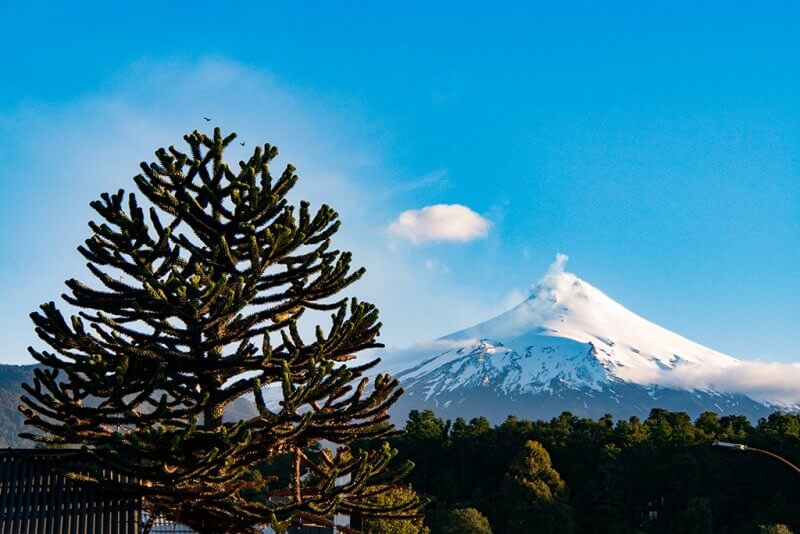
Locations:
{"points": [[773, 382], [557, 267], [436, 179], [440, 222], [435, 266], [338, 154]]}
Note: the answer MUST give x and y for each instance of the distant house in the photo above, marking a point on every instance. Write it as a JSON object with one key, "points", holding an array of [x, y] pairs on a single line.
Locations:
{"points": [[34, 499]]}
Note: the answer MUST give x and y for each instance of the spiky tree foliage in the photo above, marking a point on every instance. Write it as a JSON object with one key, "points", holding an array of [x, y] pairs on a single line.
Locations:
{"points": [[194, 305]]}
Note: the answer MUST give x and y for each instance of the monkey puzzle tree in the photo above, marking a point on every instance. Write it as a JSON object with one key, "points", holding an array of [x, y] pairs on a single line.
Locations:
{"points": [[194, 305]]}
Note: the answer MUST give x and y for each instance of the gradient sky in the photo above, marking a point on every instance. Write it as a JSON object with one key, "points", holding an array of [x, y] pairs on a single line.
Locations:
{"points": [[658, 148]]}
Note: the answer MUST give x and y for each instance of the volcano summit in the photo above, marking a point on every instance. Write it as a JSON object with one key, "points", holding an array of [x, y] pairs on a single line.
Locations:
{"points": [[569, 347]]}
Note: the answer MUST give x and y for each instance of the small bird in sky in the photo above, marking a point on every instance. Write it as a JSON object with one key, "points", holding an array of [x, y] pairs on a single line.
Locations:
{"points": [[242, 143], [207, 119]]}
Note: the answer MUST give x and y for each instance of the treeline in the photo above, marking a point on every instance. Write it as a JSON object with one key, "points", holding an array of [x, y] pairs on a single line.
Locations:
{"points": [[570, 474]]}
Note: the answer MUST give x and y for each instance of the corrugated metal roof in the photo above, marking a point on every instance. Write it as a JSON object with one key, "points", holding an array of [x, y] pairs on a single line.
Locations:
{"points": [[34, 500]]}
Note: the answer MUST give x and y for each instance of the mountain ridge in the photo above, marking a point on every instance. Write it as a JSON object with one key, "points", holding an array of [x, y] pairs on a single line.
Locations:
{"points": [[12, 421]]}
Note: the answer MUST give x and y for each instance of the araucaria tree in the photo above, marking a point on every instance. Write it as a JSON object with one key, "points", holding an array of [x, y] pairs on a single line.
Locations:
{"points": [[195, 303]]}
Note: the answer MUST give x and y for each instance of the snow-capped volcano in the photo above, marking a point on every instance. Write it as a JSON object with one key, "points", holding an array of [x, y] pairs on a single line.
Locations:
{"points": [[568, 347]]}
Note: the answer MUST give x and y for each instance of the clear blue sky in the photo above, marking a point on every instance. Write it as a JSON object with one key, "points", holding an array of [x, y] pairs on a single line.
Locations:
{"points": [[658, 147]]}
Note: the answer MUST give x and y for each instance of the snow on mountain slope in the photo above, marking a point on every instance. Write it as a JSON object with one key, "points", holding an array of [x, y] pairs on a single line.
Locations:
{"points": [[567, 338]]}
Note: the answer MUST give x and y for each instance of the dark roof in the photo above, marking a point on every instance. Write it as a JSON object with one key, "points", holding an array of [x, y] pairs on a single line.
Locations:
{"points": [[36, 500]]}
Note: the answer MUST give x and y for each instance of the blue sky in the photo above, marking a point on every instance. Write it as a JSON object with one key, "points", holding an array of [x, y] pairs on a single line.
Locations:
{"points": [[657, 147]]}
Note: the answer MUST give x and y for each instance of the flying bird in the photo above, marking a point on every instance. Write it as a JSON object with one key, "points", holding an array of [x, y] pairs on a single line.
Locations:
{"points": [[207, 119], [242, 143]]}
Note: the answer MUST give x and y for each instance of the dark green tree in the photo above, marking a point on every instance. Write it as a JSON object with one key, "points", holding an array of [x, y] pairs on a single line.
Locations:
{"points": [[395, 525], [659, 475], [466, 521], [194, 304], [534, 495], [697, 517]]}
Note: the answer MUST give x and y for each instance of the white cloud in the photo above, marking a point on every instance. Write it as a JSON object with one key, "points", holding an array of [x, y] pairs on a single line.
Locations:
{"points": [[440, 222], [773, 382]]}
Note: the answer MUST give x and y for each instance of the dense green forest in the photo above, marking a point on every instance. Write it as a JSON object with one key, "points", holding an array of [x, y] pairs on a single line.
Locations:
{"points": [[581, 475]]}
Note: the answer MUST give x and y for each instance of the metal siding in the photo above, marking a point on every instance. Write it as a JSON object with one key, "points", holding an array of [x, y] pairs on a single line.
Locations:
{"points": [[90, 515], [50, 499], [73, 512], [106, 516], [4, 481], [57, 489], [4, 490], [16, 485], [34, 500], [80, 520], [36, 506], [27, 498]]}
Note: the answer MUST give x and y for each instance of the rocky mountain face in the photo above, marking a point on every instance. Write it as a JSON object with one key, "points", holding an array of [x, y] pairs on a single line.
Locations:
{"points": [[11, 376], [11, 420]]}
